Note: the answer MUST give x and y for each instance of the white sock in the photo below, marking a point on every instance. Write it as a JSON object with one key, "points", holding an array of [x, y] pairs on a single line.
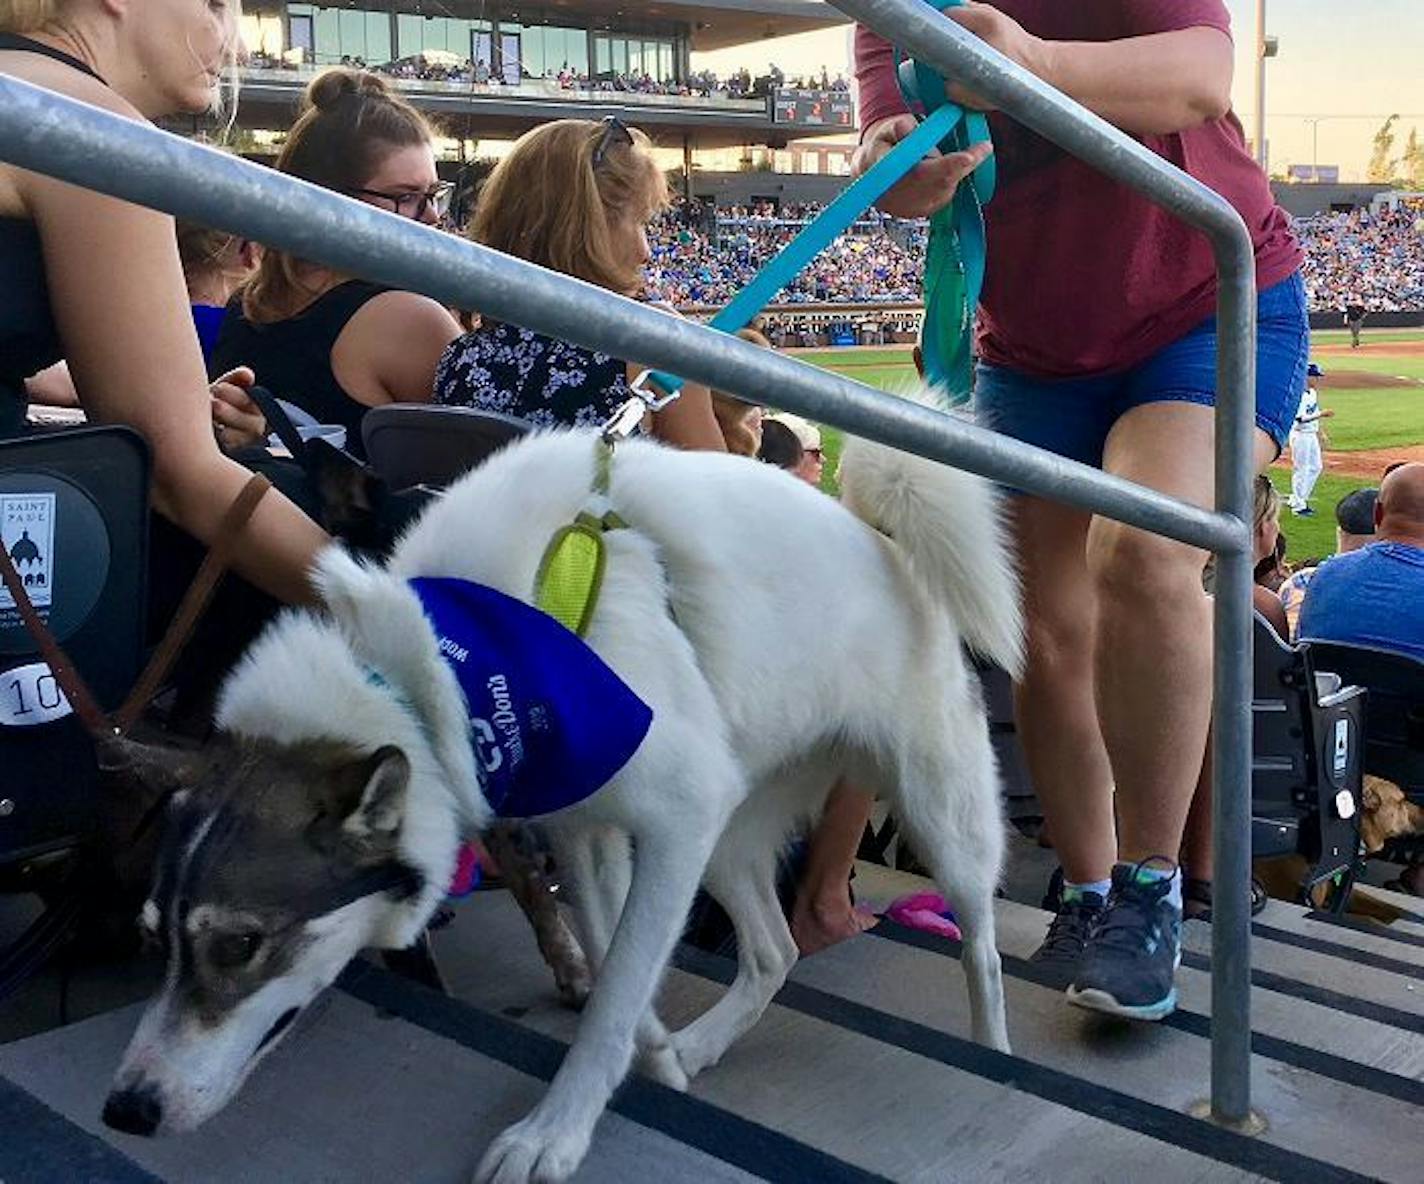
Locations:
{"points": [[1072, 891]]}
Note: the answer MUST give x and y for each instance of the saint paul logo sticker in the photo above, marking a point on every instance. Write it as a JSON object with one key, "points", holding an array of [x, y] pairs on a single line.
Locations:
{"points": [[27, 534]]}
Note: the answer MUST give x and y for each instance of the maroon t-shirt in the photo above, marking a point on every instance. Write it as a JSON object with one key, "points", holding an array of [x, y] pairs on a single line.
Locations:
{"points": [[1085, 275]]}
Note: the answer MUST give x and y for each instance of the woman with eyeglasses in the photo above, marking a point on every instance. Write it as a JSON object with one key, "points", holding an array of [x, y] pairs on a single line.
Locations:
{"points": [[574, 196], [97, 282], [331, 344]]}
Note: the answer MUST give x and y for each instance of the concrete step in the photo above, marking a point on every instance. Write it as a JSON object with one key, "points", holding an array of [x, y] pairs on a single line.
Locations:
{"points": [[861, 1070]]}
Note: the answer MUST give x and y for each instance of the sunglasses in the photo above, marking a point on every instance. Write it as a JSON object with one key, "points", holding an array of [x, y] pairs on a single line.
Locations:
{"points": [[615, 131], [415, 205]]}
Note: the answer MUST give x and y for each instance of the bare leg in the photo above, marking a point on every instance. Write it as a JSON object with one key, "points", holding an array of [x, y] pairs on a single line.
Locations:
{"points": [[1154, 628], [1196, 839], [1053, 704], [823, 914]]}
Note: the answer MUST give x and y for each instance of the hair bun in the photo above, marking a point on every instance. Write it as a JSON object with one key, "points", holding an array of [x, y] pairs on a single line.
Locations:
{"points": [[332, 86]]}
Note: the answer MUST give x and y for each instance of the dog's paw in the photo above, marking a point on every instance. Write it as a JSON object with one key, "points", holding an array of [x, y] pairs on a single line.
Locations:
{"points": [[529, 1153], [692, 1055], [574, 984], [663, 1065]]}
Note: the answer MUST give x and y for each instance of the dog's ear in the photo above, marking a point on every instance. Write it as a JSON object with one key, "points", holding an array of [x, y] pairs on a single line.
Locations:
{"points": [[373, 796]]}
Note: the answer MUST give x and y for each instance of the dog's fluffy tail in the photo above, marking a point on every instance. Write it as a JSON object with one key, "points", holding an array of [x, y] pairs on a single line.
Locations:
{"points": [[951, 525]]}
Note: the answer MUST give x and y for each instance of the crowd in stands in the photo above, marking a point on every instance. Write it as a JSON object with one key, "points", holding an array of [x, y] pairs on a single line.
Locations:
{"points": [[1375, 258], [879, 260], [1371, 258], [698, 84]]}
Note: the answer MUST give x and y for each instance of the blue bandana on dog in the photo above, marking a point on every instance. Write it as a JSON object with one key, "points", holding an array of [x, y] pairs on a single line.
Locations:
{"points": [[549, 721]]}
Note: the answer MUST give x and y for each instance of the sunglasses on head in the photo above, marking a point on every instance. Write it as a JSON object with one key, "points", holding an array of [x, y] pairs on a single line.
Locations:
{"points": [[415, 204], [615, 131]]}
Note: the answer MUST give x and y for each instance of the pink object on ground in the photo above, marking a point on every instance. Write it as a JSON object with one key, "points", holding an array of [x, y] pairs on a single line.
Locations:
{"points": [[466, 877], [927, 911]]}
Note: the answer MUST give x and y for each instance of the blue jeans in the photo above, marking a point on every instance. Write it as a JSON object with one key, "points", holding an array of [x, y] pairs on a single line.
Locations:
{"points": [[1073, 416]]}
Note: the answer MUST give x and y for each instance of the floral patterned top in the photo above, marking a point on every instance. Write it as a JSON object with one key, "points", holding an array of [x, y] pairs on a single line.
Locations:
{"points": [[545, 381]]}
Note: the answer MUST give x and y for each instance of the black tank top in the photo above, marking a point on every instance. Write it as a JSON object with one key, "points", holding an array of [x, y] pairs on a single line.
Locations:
{"points": [[29, 340], [292, 358]]}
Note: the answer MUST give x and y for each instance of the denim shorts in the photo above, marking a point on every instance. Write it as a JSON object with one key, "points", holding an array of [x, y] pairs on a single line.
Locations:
{"points": [[1073, 416]]}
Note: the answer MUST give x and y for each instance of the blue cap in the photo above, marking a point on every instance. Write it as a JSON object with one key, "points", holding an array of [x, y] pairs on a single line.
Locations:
{"points": [[1314, 371]]}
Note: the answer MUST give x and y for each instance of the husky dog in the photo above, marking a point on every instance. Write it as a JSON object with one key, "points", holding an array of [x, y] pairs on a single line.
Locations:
{"points": [[779, 641]]}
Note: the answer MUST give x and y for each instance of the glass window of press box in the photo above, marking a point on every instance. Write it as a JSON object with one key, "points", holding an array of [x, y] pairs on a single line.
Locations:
{"points": [[614, 53], [326, 34]]}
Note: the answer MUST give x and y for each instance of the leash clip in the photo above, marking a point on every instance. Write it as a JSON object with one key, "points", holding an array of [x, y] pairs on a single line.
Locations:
{"points": [[645, 397], [658, 395]]}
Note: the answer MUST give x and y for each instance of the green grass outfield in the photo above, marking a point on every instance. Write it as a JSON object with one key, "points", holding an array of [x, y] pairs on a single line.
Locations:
{"points": [[1365, 418]]}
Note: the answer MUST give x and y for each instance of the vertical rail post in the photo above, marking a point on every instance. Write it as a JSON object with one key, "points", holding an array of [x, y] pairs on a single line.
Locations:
{"points": [[929, 36]]}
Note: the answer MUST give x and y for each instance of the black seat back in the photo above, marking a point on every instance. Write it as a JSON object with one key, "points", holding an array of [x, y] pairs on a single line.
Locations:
{"points": [[1394, 720], [74, 519], [1306, 762], [411, 445]]}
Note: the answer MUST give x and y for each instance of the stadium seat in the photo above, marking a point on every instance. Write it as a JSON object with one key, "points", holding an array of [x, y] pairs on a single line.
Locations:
{"points": [[1394, 716], [74, 519], [1306, 763], [412, 445]]}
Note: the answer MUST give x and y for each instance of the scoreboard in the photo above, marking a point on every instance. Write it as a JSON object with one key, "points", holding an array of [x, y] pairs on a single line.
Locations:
{"points": [[833, 109]]}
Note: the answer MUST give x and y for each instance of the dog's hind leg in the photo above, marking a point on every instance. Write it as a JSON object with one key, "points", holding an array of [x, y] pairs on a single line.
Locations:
{"points": [[599, 862], [945, 789], [549, 1144], [742, 878]]}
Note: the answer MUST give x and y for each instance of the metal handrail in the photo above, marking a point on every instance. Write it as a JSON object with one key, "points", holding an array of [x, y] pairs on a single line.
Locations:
{"points": [[929, 36], [63, 138], [75, 142]]}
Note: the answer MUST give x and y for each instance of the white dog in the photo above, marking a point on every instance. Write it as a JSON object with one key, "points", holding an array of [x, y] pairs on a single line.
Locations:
{"points": [[779, 641]]}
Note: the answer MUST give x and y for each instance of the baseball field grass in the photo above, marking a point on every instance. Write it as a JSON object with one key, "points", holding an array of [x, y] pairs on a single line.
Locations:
{"points": [[1376, 392]]}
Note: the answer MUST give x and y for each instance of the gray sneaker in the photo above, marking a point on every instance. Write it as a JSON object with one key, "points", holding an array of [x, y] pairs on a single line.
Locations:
{"points": [[1129, 964], [1067, 934]]}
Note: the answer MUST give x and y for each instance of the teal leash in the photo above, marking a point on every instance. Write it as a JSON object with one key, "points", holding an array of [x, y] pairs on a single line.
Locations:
{"points": [[957, 232]]}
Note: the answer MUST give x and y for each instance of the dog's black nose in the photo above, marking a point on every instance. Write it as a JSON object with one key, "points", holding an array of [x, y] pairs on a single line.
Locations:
{"points": [[134, 1111]]}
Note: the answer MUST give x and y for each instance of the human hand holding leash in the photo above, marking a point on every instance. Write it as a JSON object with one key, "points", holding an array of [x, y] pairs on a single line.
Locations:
{"points": [[930, 185], [237, 420]]}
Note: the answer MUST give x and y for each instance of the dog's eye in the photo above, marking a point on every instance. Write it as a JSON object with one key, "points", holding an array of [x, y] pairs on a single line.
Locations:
{"points": [[232, 951]]}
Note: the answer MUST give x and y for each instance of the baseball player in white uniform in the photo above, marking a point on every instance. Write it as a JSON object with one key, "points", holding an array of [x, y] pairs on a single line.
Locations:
{"points": [[1305, 446]]}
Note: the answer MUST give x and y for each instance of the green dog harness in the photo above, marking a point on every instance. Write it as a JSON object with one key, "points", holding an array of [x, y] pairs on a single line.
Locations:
{"points": [[570, 574]]}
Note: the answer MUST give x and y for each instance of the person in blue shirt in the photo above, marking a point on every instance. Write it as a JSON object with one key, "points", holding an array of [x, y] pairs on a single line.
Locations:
{"points": [[215, 265], [1375, 596]]}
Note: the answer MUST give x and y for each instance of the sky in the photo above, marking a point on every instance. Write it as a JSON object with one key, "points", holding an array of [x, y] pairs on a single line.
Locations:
{"points": [[1347, 64]]}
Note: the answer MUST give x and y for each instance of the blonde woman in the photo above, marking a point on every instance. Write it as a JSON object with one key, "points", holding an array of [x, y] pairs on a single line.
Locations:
{"points": [[574, 196], [97, 282], [331, 344]]}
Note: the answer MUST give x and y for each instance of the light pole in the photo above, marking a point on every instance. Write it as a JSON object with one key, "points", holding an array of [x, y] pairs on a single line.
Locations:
{"points": [[1315, 122], [1261, 84]]}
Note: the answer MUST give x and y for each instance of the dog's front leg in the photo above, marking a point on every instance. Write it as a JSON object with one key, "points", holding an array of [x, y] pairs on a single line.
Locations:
{"points": [[550, 1143]]}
